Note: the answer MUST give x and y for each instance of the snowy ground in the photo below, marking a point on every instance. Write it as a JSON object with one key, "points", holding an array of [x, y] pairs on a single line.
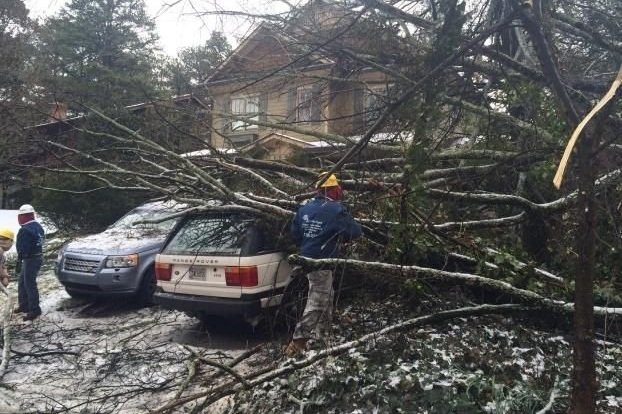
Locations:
{"points": [[105, 356], [488, 364], [111, 357]]}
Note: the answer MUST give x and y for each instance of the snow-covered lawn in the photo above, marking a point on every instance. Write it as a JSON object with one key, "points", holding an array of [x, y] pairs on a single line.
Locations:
{"points": [[488, 364]]}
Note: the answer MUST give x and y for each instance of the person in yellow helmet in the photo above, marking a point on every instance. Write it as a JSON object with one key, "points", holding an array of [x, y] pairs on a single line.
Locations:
{"points": [[6, 242], [318, 227]]}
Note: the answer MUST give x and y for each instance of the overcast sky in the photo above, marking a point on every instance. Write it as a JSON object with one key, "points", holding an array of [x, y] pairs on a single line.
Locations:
{"points": [[178, 26]]}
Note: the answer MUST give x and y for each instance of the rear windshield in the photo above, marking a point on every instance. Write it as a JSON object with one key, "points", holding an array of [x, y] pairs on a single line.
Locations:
{"points": [[217, 235]]}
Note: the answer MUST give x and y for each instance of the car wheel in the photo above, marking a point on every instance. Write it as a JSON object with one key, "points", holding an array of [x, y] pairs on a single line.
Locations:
{"points": [[144, 295], [289, 312]]}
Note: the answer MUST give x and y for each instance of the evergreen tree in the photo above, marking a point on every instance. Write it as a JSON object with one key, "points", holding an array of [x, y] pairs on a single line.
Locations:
{"points": [[15, 70], [100, 52], [194, 64]]}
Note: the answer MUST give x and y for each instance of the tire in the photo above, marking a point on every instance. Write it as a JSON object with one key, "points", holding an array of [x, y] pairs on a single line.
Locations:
{"points": [[144, 295]]}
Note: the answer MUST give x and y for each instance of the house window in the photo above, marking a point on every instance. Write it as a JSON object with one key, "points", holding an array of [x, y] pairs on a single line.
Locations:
{"points": [[374, 99], [304, 104], [247, 106]]}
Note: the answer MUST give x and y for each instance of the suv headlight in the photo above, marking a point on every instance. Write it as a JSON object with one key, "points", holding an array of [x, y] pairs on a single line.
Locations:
{"points": [[131, 260]]}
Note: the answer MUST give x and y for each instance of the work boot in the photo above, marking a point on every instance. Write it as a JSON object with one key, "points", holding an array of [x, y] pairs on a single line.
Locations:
{"points": [[296, 347], [32, 315], [19, 309]]}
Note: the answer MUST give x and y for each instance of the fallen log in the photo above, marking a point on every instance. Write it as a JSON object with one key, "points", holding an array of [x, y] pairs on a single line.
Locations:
{"points": [[467, 279]]}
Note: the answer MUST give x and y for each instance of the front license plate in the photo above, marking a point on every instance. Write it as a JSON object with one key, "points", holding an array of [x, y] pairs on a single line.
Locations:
{"points": [[197, 273]]}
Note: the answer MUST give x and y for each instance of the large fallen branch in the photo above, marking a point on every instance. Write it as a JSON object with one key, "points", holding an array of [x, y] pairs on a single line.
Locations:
{"points": [[467, 279], [515, 263], [512, 200]]}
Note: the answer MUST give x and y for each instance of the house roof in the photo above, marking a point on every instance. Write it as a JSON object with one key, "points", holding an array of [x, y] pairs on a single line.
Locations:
{"points": [[68, 122], [238, 50], [207, 153], [282, 45], [277, 137]]}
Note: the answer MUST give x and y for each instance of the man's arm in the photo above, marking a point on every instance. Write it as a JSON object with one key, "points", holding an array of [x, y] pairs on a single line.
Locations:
{"points": [[350, 229], [22, 244]]}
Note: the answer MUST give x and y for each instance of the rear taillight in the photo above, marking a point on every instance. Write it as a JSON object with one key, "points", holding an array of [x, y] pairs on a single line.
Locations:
{"points": [[244, 276], [163, 271]]}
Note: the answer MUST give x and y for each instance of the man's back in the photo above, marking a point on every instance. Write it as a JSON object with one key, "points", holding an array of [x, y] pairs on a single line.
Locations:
{"points": [[319, 224]]}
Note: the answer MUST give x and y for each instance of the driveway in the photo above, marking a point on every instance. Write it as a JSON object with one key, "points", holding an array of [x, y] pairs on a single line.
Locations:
{"points": [[107, 356]]}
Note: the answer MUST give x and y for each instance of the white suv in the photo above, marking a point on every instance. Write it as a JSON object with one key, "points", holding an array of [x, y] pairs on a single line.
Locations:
{"points": [[221, 264]]}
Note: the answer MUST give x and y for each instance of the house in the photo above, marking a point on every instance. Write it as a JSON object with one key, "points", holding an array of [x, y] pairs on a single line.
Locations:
{"points": [[282, 89]]}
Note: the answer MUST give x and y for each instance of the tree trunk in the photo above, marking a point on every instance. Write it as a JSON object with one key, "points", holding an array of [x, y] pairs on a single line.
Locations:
{"points": [[584, 373]]}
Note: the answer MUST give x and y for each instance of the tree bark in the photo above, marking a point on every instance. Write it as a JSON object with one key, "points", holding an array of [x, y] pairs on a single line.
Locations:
{"points": [[584, 372]]}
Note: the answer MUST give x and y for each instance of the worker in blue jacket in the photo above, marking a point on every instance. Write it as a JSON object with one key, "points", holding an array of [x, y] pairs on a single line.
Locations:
{"points": [[318, 227], [29, 245]]}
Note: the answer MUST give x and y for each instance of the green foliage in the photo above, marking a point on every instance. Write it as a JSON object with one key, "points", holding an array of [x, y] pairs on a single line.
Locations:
{"points": [[608, 294], [405, 246], [194, 64], [16, 80], [449, 36], [99, 53], [92, 211], [15, 29]]}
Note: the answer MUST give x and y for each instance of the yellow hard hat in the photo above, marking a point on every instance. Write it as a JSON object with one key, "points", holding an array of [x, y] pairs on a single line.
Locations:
{"points": [[7, 233], [331, 181]]}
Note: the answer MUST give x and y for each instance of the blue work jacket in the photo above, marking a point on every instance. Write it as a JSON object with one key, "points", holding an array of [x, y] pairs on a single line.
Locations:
{"points": [[30, 238], [318, 226]]}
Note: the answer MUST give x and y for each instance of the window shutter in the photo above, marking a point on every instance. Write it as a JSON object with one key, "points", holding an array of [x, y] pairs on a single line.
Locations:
{"points": [[316, 103], [358, 117], [291, 104]]}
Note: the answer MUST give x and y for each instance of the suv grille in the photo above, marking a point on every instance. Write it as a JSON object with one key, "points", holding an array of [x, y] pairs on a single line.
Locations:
{"points": [[81, 265]]}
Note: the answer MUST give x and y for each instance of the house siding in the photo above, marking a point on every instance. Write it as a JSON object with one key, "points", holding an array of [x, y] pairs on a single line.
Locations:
{"points": [[261, 65]]}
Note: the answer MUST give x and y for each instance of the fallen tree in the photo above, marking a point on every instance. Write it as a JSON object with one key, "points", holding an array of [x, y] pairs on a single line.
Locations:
{"points": [[257, 378], [465, 279], [456, 161]]}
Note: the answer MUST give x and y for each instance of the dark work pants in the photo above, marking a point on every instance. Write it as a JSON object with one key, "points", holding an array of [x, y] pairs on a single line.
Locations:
{"points": [[27, 291]]}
